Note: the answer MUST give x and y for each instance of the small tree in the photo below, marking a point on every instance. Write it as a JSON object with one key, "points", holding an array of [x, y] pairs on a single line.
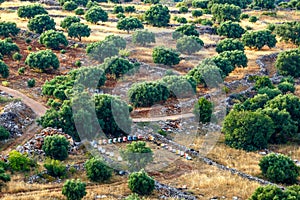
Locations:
{"points": [[118, 9], [30, 11], [19, 162], [31, 83], [7, 47], [97, 170], [4, 69], [96, 14], [203, 110], [68, 21], [258, 39], [143, 37], [183, 9], [200, 4], [117, 67], [267, 192], [225, 12], [52, 39], [74, 190], [129, 23], [79, 30], [186, 29], [197, 13], [55, 168], [265, 4], [288, 63], [230, 29], [229, 44], [79, 11], [224, 64], [70, 5], [157, 15], [247, 130], [129, 9], [56, 147], [17, 56], [166, 56], [179, 86], [189, 44], [236, 57], [253, 19], [42, 60], [101, 50], [289, 31], [8, 29], [263, 81], [286, 87], [4, 134], [41, 23], [141, 183], [279, 168]]}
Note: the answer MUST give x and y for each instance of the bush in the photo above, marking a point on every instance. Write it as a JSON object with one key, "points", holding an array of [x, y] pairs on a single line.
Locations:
{"points": [[8, 29], [147, 94], [183, 9], [236, 57], [286, 87], [129, 9], [181, 20], [258, 39], [21, 70], [133, 197], [244, 16], [17, 56], [4, 69], [230, 29], [4, 134], [79, 11], [252, 104], [129, 23], [166, 56], [4, 178], [271, 93], [279, 168], [225, 12], [52, 39], [203, 110], [118, 9], [157, 15], [187, 29], [262, 82], [120, 15], [30, 11], [31, 83], [229, 44], [56, 147], [78, 30], [289, 31], [19, 162], [7, 47], [41, 23], [55, 168], [70, 6], [247, 130], [117, 67], [97, 170], [96, 14], [143, 37], [74, 190], [197, 13], [141, 183], [207, 73], [224, 64], [42, 60], [68, 21], [253, 19], [288, 63], [200, 3], [265, 4], [267, 192], [189, 44]]}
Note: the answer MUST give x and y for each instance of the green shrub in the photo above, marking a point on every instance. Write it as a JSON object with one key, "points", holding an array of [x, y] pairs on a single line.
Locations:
{"points": [[77, 63], [244, 16], [253, 19], [74, 190], [183, 9], [133, 197], [279, 168], [4, 134], [55, 168], [70, 6], [21, 70], [271, 93], [166, 56], [4, 69], [41, 23], [120, 15], [229, 44], [225, 12], [197, 13], [68, 21], [19, 162], [157, 15], [42, 60], [143, 37], [230, 29], [236, 57], [30, 11], [200, 3], [267, 193], [203, 110], [53, 39], [179, 86], [117, 67], [97, 170], [8, 29], [286, 87], [96, 14], [56, 147], [31, 83], [288, 63], [129, 9], [118, 9], [189, 44], [141, 183], [79, 11], [258, 39], [181, 20], [263, 81]]}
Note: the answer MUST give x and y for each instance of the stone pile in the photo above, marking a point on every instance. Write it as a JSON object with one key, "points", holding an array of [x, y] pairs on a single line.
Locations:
{"points": [[16, 116], [34, 146]]}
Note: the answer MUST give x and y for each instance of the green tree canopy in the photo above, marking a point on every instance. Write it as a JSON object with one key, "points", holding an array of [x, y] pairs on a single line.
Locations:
{"points": [[225, 12], [157, 15], [143, 37], [53, 39], [229, 44], [258, 39], [78, 30], [68, 21], [289, 32], [166, 56], [74, 190], [43, 60], [203, 110], [56, 147], [141, 183], [97, 170], [288, 63], [236, 57], [41, 23], [30, 11], [189, 44], [96, 14], [4, 69], [8, 29], [129, 23], [230, 29]]}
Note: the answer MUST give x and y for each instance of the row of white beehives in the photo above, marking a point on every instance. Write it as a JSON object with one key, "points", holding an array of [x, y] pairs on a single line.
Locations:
{"points": [[151, 138]]}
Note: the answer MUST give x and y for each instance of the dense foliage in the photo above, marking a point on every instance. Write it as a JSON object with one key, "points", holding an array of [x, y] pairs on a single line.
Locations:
{"points": [[70, 5], [55, 168], [8, 29], [19, 162], [186, 29], [117, 66], [229, 44], [41, 23], [279, 168], [96, 14], [166, 56], [78, 30], [237, 58], [230, 29], [68, 21], [289, 31], [42, 60], [74, 190], [143, 37], [53, 39], [265, 4], [129, 23], [288, 63], [30, 11], [258, 39], [7, 47], [203, 110], [4, 69], [225, 12], [157, 15], [4, 134], [189, 44], [141, 183], [56, 147], [97, 170]]}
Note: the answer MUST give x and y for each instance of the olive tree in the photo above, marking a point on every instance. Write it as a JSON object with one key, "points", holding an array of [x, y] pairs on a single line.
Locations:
{"points": [[4, 69], [129, 23], [7, 47], [30, 11], [117, 66], [203, 110], [288, 63], [229, 44], [230, 29], [225, 12], [70, 6], [56, 147], [237, 58], [166, 56], [41, 23], [289, 31], [143, 37], [96, 14], [189, 44], [53, 39], [265, 4], [8, 29], [97, 170], [78, 30], [74, 190], [141, 183], [42, 60], [258, 39], [157, 15], [68, 21]]}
